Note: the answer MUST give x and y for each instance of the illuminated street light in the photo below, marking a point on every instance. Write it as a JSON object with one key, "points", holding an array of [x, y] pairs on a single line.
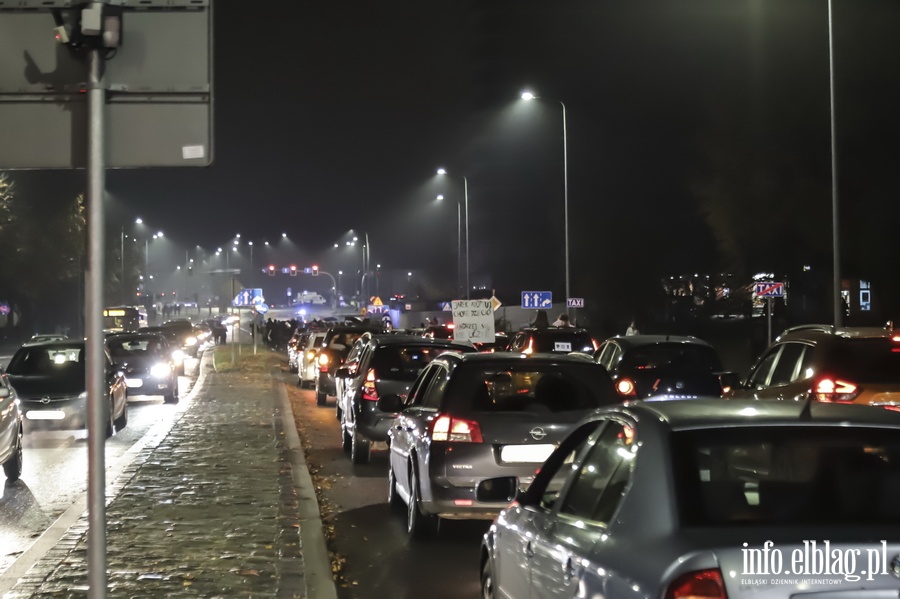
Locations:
{"points": [[528, 96], [442, 171]]}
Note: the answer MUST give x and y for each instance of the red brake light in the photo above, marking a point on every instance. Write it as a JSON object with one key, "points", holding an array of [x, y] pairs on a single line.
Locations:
{"points": [[530, 348], [447, 428], [626, 387], [368, 387], [703, 584], [834, 390], [323, 362]]}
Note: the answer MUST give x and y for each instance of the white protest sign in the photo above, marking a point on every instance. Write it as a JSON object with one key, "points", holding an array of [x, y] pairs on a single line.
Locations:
{"points": [[473, 320]]}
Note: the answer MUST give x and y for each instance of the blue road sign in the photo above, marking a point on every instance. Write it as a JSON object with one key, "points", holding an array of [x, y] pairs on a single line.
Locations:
{"points": [[537, 299], [248, 297], [262, 308], [770, 289]]}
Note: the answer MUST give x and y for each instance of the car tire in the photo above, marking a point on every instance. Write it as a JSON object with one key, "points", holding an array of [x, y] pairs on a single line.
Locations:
{"points": [[170, 399], [418, 525], [338, 412], [321, 398], [395, 502], [12, 468], [360, 448], [346, 441], [487, 580]]}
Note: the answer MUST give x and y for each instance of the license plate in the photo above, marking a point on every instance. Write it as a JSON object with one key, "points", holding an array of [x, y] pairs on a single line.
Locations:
{"points": [[526, 454], [133, 383], [562, 346], [45, 415]]}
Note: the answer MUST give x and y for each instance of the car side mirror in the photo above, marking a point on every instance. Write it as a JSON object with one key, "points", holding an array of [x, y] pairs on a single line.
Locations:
{"points": [[390, 403], [503, 489], [4, 392]]}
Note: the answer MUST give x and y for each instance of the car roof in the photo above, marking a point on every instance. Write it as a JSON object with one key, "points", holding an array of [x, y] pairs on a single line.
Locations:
{"points": [[717, 412], [819, 332], [383, 339], [630, 341], [552, 329], [55, 343], [503, 356]]}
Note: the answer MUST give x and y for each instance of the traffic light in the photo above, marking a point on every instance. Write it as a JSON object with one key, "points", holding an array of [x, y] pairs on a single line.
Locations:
{"points": [[293, 270], [315, 270], [271, 270]]}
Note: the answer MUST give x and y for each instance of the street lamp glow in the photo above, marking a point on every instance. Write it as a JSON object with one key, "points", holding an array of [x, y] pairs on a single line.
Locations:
{"points": [[283, 235], [440, 197], [443, 171], [336, 245], [527, 96], [139, 221]]}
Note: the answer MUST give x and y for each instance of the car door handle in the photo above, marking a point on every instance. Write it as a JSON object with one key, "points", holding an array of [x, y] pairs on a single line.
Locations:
{"points": [[529, 551]]}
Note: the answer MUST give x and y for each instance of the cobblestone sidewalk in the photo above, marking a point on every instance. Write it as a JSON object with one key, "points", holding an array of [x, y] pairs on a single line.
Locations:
{"points": [[207, 510]]}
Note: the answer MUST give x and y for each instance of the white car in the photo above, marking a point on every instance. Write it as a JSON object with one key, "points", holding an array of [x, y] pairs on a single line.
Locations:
{"points": [[310, 298]]}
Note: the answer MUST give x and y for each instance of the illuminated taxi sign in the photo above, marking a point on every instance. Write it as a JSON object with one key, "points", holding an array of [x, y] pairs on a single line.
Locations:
{"points": [[114, 313]]}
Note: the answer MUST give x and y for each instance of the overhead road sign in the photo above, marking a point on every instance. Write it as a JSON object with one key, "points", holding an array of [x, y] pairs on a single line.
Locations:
{"points": [[575, 302], [537, 299], [158, 85], [770, 289], [249, 297]]}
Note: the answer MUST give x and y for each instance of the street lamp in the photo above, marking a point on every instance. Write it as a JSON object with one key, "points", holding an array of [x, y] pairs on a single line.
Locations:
{"points": [[838, 304], [442, 171], [440, 197], [528, 96]]}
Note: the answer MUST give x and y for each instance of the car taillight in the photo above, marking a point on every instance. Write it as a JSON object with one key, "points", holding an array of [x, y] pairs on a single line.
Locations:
{"points": [[834, 390], [368, 387], [530, 348], [703, 584], [448, 428], [626, 387], [323, 362]]}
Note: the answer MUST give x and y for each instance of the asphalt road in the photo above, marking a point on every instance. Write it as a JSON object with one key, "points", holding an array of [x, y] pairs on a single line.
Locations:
{"points": [[55, 469], [368, 541]]}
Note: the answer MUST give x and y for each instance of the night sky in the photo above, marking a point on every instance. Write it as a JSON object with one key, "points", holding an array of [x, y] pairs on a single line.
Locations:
{"points": [[333, 116]]}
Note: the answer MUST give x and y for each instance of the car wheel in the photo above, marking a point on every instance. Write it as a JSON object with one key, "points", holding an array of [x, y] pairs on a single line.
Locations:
{"points": [[346, 441], [12, 468], [338, 412], [110, 427], [321, 398], [360, 448], [418, 525], [172, 398], [487, 580], [395, 502]]}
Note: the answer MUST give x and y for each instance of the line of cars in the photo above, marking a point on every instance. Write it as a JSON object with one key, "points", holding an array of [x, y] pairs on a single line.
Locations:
{"points": [[45, 381], [638, 467]]}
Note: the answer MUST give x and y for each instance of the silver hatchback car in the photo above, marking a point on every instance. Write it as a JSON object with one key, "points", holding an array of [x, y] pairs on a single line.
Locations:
{"points": [[707, 499]]}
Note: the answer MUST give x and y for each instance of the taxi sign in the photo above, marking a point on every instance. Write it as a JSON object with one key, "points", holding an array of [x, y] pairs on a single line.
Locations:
{"points": [[575, 302], [770, 289]]}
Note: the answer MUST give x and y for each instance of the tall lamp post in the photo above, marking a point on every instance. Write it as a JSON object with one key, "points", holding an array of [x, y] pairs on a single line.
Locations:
{"points": [[442, 171], [440, 198], [157, 235], [836, 261], [528, 96]]}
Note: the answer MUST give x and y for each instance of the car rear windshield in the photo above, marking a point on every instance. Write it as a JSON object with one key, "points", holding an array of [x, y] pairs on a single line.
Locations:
{"points": [[530, 386], [134, 347], [403, 363], [681, 356], [865, 360], [786, 475], [562, 341]]}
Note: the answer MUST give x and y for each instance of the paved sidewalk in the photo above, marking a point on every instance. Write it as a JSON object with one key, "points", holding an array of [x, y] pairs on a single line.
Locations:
{"points": [[210, 508]]}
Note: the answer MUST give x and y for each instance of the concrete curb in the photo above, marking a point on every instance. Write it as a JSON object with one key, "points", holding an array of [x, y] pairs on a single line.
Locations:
{"points": [[317, 563]]}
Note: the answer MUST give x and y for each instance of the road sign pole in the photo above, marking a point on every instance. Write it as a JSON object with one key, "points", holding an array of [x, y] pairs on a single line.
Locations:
{"points": [[769, 303]]}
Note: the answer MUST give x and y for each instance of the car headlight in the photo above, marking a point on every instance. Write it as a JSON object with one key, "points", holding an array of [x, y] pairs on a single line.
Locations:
{"points": [[160, 370], [323, 360], [178, 356], [191, 340], [82, 395]]}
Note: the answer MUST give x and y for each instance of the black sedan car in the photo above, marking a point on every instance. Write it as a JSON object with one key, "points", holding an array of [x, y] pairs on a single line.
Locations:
{"points": [[473, 416], [146, 360], [50, 381], [664, 367]]}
